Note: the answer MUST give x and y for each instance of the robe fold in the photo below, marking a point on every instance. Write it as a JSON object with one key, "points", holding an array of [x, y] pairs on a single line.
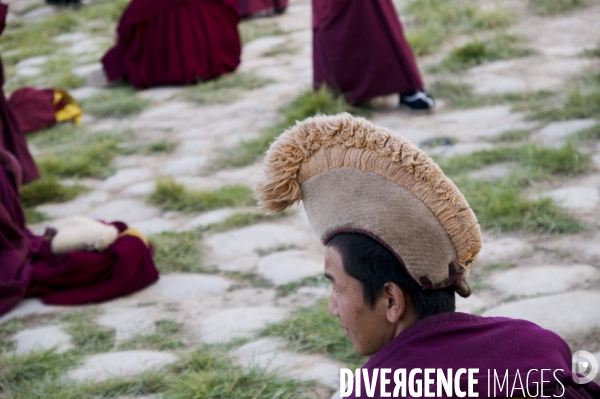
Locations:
{"points": [[359, 49], [458, 340], [11, 138], [33, 109], [174, 42], [251, 7]]}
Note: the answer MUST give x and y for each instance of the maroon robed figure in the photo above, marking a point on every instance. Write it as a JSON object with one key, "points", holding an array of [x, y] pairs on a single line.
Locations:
{"points": [[174, 42], [359, 49], [251, 7]]}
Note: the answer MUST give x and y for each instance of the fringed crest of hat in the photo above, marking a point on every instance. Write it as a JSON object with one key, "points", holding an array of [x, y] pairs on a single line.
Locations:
{"points": [[354, 176]]}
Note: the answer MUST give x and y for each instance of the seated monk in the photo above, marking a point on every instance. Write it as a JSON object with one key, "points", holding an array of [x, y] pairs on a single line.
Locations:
{"points": [[400, 241], [83, 262], [174, 42], [359, 50], [253, 7]]}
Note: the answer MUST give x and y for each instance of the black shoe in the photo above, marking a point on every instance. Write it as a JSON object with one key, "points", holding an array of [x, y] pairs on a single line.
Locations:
{"points": [[419, 100]]}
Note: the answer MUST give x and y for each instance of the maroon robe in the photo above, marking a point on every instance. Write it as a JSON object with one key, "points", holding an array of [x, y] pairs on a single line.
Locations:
{"points": [[33, 109], [175, 42], [251, 7], [11, 138], [359, 49], [29, 268], [458, 340]]}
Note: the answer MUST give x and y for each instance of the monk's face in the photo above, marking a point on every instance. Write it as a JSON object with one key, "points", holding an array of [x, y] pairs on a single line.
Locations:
{"points": [[368, 328]]}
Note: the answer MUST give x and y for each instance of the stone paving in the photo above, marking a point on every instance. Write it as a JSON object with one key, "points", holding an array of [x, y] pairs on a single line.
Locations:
{"points": [[554, 281]]}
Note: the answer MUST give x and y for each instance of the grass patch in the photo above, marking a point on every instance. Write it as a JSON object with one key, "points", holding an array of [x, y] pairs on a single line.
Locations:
{"points": [[503, 206], [314, 330], [224, 89], [433, 21], [57, 135], [242, 220], [116, 102], [48, 189], [173, 196], [511, 136], [57, 73], [91, 158], [307, 104], [178, 252], [551, 7], [282, 48], [539, 161], [479, 52], [592, 53], [157, 147], [591, 133], [33, 216], [87, 336], [290, 288], [277, 248], [253, 29], [164, 339], [247, 279]]}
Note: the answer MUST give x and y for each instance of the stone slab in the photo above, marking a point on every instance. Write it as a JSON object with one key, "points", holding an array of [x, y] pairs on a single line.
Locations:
{"points": [[491, 173], [83, 93], [128, 322], [562, 130], [531, 281], [240, 322], [185, 166], [566, 314], [27, 307], [211, 217], [269, 354], [155, 226], [186, 286], [85, 70], [42, 339], [126, 177], [249, 239], [140, 190], [98, 368], [128, 211], [474, 304], [496, 249], [159, 93], [288, 266], [576, 197]]}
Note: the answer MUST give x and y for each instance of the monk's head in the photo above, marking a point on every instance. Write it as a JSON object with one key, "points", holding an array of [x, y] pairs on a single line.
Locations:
{"points": [[373, 295]]}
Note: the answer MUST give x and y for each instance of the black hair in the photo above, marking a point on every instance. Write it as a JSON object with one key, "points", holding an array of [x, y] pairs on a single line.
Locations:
{"points": [[373, 265]]}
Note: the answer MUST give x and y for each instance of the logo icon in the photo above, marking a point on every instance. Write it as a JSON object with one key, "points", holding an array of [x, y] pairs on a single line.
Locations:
{"points": [[585, 364]]}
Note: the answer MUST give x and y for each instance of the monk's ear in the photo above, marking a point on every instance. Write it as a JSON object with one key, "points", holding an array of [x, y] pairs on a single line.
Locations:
{"points": [[396, 303]]}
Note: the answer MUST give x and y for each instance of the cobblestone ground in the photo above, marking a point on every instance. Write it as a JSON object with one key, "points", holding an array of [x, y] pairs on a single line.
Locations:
{"points": [[554, 280]]}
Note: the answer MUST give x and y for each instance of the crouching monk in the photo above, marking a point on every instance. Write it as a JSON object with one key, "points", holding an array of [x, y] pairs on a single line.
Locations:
{"points": [[174, 42], [81, 261], [400, 241]]}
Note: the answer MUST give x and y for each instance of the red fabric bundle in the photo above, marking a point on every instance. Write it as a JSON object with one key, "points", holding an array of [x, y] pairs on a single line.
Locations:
{"points": [[175, 42], [359, 49], [33, 109]]}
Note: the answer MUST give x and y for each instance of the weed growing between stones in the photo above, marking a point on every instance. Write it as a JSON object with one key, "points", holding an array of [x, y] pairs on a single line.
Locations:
{"points": [[551, 7], [314, 330], [307, 104], [278, 248], [224, 89], [56, 72], [87, 336], [253, 29], [116, 102], [157, 147], [291, 288], [283, 48], [172, 196], [499, 266], [247, 279], [433, 21], [165, 338], [58, 135], [242, 220], [33, 216], [593, 52], [48, 189], [178, 252], [477, 52], [513, 136], [592, 133]]}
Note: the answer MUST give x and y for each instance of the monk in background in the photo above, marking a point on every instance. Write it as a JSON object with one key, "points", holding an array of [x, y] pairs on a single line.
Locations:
{"points": [[174, 42], [359, 50], [249, 8]]}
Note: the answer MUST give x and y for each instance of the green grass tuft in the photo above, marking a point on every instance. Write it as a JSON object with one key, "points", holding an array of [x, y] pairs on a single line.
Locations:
{"points": [[32, 216], [87, 336], [253, 29], [241, 220], [178, 252], [499, 266], [22, 370], [48, 189], [307, 104], [513, 135], [283, 48], [173, 196], [116, 102], [314, 330], [92, 159], [478, 52], [57, 135], [224, 89], [164, 339], [551, 7], [591, 133], [592, 53], [290, 288], [247, 279]]}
